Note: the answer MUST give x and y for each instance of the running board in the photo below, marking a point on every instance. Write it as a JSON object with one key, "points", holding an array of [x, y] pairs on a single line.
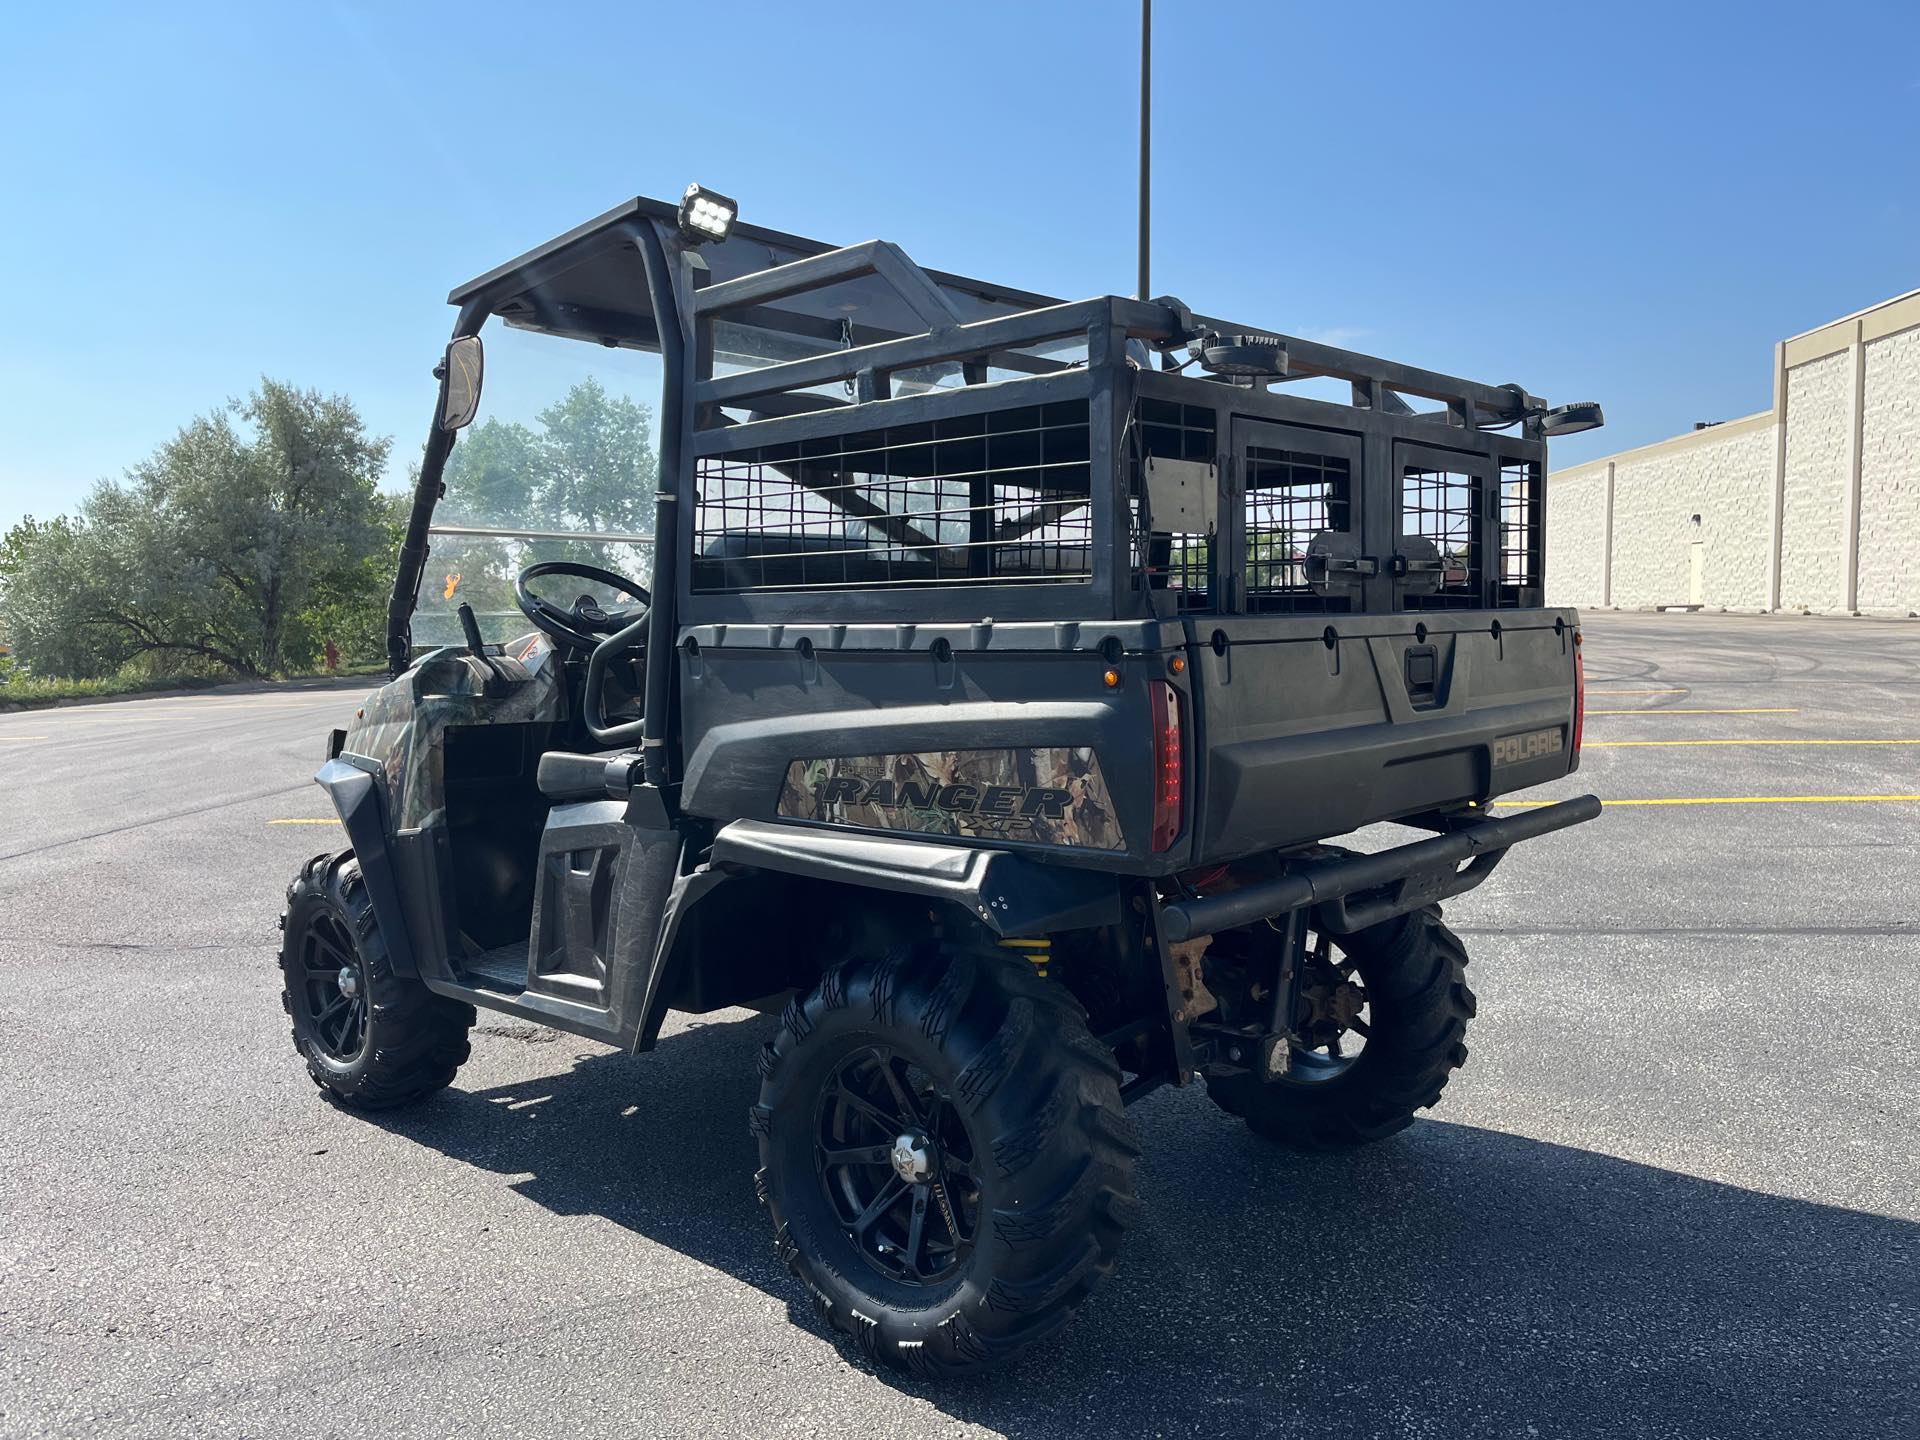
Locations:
{"points": [[502, 969], [594, 1023]]}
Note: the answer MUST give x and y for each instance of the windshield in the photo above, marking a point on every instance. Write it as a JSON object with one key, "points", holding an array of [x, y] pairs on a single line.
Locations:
{"points": [[561, 463]]}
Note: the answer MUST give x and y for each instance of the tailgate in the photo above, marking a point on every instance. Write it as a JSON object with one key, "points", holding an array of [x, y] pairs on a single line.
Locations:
{"points": [[1308, 729]]}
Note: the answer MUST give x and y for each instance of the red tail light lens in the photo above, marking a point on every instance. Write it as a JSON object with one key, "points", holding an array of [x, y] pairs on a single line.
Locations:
{"points": [[1169, 765], [1579, 699]]}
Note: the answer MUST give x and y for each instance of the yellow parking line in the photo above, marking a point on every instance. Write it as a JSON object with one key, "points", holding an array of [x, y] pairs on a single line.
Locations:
{"points": [[1735, 800], [22, 737], [308, 820], [1767, 711], [1622, 744]]}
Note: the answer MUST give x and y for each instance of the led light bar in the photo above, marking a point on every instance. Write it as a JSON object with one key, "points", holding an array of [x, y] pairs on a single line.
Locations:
{"points": [[706, 215]]}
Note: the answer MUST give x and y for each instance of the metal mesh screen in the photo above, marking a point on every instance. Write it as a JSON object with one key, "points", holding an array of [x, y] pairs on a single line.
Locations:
{"points": [[995, 498], [1188, 566], [1444, 506], [1181, 563], [1291, 496], [1522, 533]]}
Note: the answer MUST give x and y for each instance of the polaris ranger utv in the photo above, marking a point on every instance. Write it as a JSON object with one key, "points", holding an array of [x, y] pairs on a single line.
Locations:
{"points": [[1003, 667]]}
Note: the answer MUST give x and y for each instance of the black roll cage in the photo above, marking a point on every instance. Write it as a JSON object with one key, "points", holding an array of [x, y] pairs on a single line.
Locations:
{"points": [[587, 285]]}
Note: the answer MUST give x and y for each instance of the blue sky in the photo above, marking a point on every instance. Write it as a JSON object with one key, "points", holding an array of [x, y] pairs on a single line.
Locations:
{"points": [[1622, 202]]}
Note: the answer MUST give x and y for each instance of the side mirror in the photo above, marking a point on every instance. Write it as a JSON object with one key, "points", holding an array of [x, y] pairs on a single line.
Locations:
{"points": [[460, 375]]}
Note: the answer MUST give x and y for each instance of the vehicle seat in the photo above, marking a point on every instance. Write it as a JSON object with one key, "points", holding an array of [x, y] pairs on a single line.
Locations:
{"points": [[565, 777]]}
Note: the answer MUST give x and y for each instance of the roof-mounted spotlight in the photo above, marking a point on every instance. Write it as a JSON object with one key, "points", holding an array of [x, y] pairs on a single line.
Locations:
{"points": [[706, 215], [1241, 355], [1572, 419]]}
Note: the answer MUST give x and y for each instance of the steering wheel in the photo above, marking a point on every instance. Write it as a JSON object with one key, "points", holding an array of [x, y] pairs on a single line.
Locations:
{"points": [[584, 623]]}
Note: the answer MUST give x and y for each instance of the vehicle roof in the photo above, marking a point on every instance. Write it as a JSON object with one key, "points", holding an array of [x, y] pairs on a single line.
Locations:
{"points": [[588, 285]]}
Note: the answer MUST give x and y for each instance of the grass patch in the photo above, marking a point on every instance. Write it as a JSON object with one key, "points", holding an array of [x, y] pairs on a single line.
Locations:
{"points": [[30, 692]]}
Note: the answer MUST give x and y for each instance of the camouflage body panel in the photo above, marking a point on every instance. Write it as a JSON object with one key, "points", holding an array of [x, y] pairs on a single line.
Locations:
{"points": [[1054, 796], [403, 724]]}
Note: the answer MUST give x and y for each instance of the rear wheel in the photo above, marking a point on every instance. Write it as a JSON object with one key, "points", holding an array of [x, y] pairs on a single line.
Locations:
{"points": [[945, 1155], [371, 1039], [1382, 1025]]}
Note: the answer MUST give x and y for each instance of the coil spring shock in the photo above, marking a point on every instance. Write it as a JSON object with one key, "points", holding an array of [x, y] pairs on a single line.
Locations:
{"points": [[1039, 952]]}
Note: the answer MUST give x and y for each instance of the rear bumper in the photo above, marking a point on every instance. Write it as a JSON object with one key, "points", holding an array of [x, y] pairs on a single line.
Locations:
{"points": [[1351, 892]]}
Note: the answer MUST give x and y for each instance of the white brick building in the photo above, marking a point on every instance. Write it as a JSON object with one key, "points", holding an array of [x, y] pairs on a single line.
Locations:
{"points": [[1811, 505]]}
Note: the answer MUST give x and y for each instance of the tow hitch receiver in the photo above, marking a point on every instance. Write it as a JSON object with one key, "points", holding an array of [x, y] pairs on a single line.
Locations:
{"points": [[1354, 891]]}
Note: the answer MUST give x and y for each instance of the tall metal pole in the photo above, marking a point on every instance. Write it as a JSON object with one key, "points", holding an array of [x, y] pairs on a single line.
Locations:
{"points": [[1146, 141]]}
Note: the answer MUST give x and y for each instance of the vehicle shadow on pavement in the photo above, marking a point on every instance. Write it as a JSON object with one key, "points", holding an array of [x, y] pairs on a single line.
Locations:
{"points": [[1452, 1280]]}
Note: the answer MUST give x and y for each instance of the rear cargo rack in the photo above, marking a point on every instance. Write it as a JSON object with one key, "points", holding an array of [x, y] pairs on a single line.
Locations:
{"points": [[1005, 454], [855, 424]]}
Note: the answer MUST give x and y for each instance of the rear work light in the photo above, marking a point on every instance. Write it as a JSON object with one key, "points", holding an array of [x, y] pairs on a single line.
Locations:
{"points": [[706, 215], [1579, 698], [1169, 765]]}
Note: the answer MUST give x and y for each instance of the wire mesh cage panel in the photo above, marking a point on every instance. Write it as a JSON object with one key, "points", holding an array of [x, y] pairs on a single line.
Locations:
{"points": [[1001, 497], [1188, 567], [1290, 497], [1164, 429], [1522, 535], [1444, 506]]}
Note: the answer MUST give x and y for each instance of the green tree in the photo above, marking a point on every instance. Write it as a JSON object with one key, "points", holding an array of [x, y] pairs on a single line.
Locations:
{"points": [[493, 477], [46, 579], [586, 466], [216, 550], [589, 467], [349, 605], [600, 467]]}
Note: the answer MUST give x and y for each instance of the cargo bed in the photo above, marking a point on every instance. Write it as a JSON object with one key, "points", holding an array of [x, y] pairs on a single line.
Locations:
{"points": [[1296, 728]]}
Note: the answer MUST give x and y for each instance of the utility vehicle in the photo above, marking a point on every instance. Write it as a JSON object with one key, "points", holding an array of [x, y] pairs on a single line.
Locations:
{"points": [[1003, 668]]}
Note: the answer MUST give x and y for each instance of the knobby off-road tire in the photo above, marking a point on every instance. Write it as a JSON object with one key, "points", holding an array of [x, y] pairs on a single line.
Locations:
{"points": [[1414, 971], [378, 1040], [1026, 1116]]}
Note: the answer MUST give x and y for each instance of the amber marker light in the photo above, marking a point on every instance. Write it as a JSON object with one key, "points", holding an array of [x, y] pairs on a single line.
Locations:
{"points": [[1112, 677], [1178, 665]]}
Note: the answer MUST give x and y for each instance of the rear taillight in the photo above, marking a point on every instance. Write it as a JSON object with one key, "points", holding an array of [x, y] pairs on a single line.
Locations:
{"points": [[1579, 698], [1169, 765]]}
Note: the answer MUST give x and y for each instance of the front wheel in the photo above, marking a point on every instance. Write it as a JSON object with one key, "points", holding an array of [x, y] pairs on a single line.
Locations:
{"points": [[371, 1039], [945, 1154], [1381, 1026]]}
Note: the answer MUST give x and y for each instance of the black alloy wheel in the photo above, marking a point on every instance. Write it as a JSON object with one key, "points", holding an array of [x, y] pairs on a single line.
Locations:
{"points": [[898, 1166], [371, 1038], [1380, 1027], [943, 1152], [334, 987]]}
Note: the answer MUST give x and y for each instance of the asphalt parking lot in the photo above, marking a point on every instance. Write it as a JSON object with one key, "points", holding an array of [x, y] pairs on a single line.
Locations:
{"points": [[1676, 1191]]}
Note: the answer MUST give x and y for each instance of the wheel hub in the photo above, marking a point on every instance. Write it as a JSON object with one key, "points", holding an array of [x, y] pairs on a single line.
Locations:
{"points": [[349, 981], [913, 1158], [1334, 1002]]}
